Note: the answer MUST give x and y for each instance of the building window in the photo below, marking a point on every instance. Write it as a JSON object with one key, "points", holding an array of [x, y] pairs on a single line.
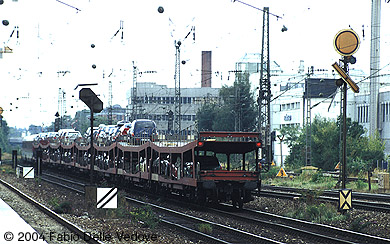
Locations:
{"points": [[383, 112], [363, 114]]}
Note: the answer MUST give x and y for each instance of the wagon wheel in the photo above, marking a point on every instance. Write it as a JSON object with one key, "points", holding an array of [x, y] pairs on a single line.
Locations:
{"points": [[238, 199], [240, 202]]}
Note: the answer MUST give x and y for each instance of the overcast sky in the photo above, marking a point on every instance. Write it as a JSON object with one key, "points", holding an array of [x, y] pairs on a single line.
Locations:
{"points": [[55, 37]]}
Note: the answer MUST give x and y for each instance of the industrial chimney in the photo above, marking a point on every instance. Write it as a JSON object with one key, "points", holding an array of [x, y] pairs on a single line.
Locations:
{"points": [[206, 69]]}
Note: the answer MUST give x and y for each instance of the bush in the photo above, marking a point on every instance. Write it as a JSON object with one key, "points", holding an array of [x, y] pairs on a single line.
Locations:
{"points": [[205, 228], [317, 177], [360, 185], [145, 216], [358, 225], [310, 197], [273, 171], [60, 208], [63, 208], [355, 167]]}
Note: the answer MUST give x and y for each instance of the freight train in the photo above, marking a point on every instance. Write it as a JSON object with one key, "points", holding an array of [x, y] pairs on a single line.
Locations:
{"points": [[206, 167]]}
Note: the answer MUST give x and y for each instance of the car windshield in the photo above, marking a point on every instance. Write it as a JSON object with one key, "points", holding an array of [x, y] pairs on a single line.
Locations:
{"points": [[72, 134], [140, 125]]}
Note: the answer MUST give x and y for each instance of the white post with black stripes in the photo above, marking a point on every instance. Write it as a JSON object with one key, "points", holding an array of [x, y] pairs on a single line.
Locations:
{"points": [[107, 198]]}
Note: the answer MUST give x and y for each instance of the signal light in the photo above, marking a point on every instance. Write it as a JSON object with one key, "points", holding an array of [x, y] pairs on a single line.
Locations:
{"points": [[200, 144], [258, 144]]}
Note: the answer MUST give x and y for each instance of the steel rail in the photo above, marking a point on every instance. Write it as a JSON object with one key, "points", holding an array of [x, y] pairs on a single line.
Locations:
{"points": [[367, 205], [297, 225], [181, 227], [72, 227], [247, 235]]}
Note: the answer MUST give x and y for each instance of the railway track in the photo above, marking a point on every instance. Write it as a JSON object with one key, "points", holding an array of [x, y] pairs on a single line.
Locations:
{"points": [[319, 232], [312, 231], [184, 222], [82, 235], [366, 201], [73, 185], [220, 234]]}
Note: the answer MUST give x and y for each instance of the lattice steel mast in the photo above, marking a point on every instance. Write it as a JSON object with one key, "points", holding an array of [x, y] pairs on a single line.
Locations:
{"points": [[134, 93], [177, 124], [264, 99]]}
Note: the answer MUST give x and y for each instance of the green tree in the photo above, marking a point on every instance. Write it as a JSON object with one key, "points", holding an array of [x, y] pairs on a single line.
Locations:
{"points": [[294, 137], [206, 116], [325, 145], [4, 136], [235, 112], [367, 151]]}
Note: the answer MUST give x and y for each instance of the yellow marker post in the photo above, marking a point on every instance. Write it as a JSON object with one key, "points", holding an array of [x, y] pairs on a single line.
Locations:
{"points": [[345, 199]]}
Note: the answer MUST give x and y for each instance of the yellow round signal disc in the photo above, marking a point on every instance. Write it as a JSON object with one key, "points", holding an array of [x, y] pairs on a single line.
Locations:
{"points": [[346, 42]]}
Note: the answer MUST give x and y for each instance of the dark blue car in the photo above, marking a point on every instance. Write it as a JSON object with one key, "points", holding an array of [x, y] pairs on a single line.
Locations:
{"points": [[142, 129]]}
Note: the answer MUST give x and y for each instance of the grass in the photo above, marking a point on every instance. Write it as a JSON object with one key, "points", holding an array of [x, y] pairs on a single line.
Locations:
{"points": [[308, 181], [318, 213], [315, 181], [359, 225], [7, 169]]}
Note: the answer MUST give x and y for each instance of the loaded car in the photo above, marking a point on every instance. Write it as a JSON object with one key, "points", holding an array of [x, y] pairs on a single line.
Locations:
{"points": [[142, 130]]}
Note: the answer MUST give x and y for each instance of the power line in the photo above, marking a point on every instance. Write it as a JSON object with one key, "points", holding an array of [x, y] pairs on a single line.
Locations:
{"points": [[277, 16]]}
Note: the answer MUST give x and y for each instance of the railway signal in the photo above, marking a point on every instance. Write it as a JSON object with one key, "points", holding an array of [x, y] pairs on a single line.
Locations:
{"points": [[346, 43], [346, 77], [95, 105], [91, 100]]}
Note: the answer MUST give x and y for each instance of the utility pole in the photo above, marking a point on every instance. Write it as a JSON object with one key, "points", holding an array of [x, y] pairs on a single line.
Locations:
{"points": [[110, 102], [374, 64], [264, 99], [308, 117], [61, 106], [177, 124], [134, 93], [281, 137], [177, 112]]}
